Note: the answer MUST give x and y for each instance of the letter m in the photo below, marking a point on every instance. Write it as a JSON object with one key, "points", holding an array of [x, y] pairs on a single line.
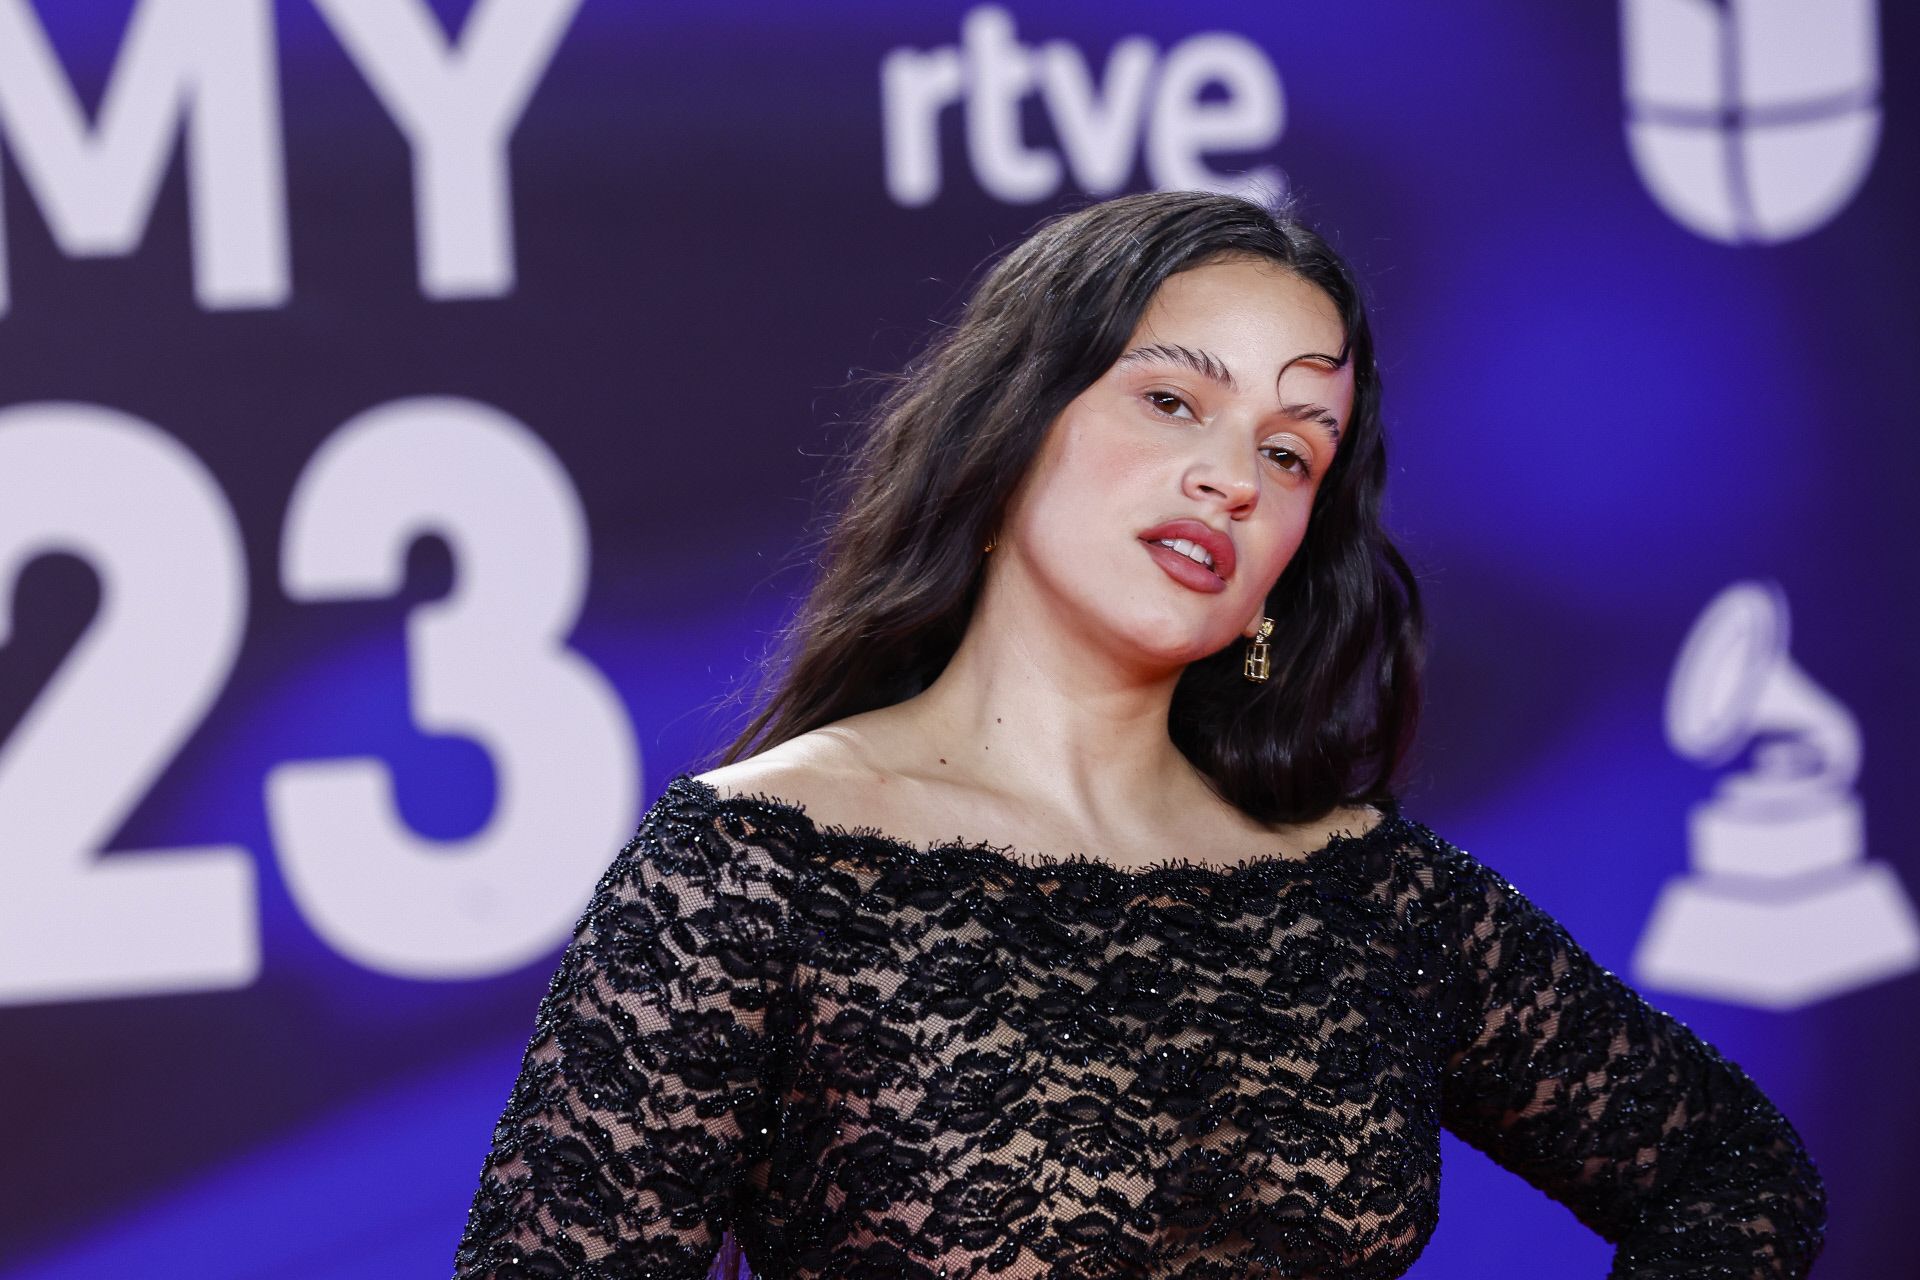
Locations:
{"points": [[203, 67]]}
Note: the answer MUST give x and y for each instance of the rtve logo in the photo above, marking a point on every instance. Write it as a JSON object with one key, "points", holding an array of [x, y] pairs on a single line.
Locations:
{"points": [[1142, 102], [1752, 121]]}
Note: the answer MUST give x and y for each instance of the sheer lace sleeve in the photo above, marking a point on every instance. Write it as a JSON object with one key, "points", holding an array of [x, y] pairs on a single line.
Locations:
{"points": [[646, 1110], [1562, 1073]]}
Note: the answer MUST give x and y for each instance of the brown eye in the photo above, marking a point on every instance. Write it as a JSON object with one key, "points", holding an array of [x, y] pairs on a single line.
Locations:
{"points": [[1288, 460], [1165, 402]]}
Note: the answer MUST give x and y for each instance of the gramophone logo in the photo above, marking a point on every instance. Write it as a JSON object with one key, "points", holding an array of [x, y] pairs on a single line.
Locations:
{"points": [[1782, 907], [1752, 121]]}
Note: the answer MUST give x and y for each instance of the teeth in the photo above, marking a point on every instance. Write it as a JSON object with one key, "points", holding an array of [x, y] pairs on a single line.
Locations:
{"points": [[1188, 549]]}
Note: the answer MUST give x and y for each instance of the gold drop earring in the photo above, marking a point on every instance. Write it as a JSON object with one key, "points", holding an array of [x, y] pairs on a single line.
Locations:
{"points": [[1256, 667], [992, 542]]}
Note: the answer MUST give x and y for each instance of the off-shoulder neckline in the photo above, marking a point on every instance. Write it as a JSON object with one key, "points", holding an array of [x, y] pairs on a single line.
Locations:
{"points": [[794, 815]]}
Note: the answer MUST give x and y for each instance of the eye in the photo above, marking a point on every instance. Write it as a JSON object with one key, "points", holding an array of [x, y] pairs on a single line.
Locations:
{"points": [[1161, 400], [1288, 460]]}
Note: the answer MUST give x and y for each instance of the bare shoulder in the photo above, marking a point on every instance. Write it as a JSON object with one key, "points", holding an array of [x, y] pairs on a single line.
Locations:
{"points": [[1345, 820], [821, 770], [1353, 819]]}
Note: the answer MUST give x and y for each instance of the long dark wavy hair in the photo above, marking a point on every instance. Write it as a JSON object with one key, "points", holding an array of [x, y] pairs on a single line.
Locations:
{"points": [[900, 564]]}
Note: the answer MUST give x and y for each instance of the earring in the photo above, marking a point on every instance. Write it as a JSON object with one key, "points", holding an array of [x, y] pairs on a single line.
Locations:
{"points": [[992, 542], [1256, 667]]}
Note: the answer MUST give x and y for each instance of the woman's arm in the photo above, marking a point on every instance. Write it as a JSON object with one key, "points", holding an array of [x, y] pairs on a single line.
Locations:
{"points": [[647, 1103], [1562, 1073]]}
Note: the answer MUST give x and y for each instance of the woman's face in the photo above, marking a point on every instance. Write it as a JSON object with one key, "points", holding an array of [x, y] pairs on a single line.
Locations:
{"points": [[1226, 409]]}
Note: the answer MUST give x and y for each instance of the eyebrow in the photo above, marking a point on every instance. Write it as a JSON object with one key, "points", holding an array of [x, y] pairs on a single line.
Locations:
{"points": [[1204, 363], [1319, 413], [1210, 366]]}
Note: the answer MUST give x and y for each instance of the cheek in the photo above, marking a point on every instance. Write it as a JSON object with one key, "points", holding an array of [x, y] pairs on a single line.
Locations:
{"points": [[1092, 476], [1094, 450], [1279, 542]]}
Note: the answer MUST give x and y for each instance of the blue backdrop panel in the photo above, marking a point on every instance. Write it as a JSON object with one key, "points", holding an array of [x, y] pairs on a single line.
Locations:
{"points": [[409, 414]]}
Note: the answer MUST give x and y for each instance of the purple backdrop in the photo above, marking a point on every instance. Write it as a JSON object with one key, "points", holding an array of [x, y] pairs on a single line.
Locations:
{"points": [[408, 413]]}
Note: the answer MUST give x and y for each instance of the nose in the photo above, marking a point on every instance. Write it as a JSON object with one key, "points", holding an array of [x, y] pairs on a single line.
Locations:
{"points": [[1224, 475]]}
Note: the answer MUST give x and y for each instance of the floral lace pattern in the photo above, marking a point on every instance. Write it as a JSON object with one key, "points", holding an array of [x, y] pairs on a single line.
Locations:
{"points": [[867, 1059]]}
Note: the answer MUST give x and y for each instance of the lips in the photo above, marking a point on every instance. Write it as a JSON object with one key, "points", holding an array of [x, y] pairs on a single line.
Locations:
{"points": [[1217, 544]]}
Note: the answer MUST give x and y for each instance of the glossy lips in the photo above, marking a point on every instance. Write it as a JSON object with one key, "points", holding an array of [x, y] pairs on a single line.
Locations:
{"points": [[1183, 569]]}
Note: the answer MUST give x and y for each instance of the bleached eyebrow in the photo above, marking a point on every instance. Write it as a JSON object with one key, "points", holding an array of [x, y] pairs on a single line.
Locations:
{"points": [[1210, 366], [1204, 363], [1309, 411], [1315, 413]]}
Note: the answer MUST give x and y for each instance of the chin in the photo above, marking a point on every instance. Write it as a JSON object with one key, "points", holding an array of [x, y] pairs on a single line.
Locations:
{"points": [[1178, 644]]}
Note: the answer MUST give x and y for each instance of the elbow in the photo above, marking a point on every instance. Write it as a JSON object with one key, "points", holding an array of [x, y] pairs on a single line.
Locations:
{"points": [[1787, 1195], [1802, 1215], [1756, 1206]]}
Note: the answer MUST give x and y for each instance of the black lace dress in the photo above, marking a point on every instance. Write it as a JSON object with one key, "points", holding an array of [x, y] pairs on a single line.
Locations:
{"points": [[868, 1060]]}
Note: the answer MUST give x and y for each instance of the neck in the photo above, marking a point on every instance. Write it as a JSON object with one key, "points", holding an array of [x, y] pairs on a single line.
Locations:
{"points": [[1067, 724]]}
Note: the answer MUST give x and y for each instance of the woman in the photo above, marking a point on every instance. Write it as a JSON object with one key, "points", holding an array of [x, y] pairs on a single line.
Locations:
{"points": [[1055, 916]]}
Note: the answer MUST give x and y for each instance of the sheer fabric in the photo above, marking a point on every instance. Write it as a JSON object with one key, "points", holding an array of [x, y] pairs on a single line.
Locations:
{"points": [[869, 1059]]}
